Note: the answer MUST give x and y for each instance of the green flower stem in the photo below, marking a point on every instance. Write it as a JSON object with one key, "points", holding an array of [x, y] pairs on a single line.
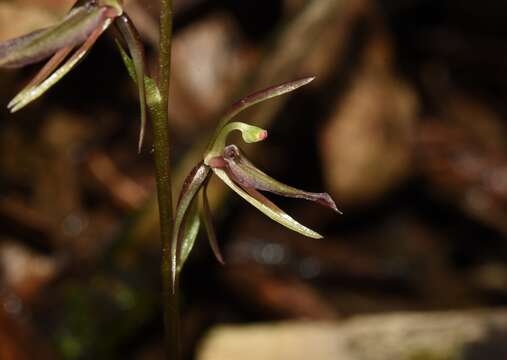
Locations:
{"points": [[166, 14], [164, 185], [164, 194]]}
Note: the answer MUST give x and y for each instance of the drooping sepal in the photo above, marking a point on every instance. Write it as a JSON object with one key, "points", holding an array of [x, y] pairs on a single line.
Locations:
{"points": [[191, 187], [136, 49], [188, 233]]}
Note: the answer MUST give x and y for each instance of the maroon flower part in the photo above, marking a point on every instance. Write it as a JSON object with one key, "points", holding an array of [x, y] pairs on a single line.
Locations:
{"points": [[247, 176]]}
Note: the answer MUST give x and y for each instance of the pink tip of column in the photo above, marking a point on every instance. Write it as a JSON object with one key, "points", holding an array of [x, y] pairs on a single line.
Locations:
{"points": [[263, 135]]}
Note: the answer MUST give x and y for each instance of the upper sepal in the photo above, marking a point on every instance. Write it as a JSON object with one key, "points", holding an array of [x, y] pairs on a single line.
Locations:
{"points": [[251, 100], [265, 94]]}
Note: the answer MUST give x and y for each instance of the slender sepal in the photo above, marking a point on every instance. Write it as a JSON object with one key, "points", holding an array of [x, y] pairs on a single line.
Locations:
{"points": [[264, 95], [136, 49], [266, 206], [208, 224]]}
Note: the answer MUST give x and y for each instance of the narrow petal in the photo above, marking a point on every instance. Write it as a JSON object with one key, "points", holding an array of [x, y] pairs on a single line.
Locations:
{"points": [[208, 224], [243, 172], [35, 92], [191, 187], [136, 49], [74, 29], [188, 233], [256, 98], [267, 207]]}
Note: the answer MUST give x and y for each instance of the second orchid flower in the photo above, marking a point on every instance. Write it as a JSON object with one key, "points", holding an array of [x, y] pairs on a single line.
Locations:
{"points": [[229, 164]]}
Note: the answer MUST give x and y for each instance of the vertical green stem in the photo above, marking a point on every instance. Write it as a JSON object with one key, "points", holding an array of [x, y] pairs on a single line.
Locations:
{"points": [[164, 186], [166, 19]]}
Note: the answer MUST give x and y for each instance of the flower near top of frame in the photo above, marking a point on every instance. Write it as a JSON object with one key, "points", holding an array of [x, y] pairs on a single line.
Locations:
{"points": [[66, 44], [229, 164]]}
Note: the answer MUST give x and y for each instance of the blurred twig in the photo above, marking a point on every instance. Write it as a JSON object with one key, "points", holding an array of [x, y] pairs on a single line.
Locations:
{"points": [[124, 191]]}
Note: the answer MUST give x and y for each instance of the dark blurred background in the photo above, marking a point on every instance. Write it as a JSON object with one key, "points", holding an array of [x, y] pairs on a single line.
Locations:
{"points": [[404, 126]]}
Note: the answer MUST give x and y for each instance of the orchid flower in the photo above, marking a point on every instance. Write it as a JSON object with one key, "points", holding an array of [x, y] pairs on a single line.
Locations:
{"points": [[230, 165], [78, 32]]}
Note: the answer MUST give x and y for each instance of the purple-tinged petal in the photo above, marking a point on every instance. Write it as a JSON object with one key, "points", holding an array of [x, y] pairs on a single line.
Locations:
{"points": [[243, 172], [217, 162], [208, 224], [266, 206], [76, 27], [136, 49]]}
